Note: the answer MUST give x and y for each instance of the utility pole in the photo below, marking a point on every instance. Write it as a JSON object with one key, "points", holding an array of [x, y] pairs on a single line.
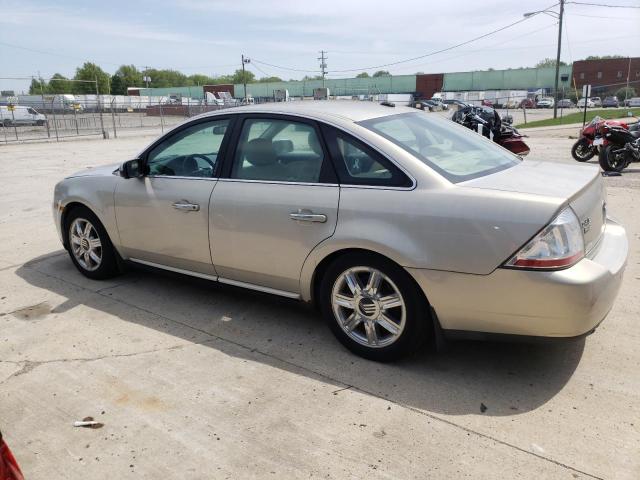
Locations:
{"points": [[555, 92], [244, 76], [323, 65], [626, 92]]}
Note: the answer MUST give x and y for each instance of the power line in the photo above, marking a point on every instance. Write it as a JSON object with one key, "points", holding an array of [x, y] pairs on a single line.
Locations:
{"points": [[283, 68], [420, 56], [587, 4]]}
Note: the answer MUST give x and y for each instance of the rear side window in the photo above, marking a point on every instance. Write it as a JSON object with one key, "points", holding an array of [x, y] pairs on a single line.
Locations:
{"points": [[359, 164], [278, 150]]}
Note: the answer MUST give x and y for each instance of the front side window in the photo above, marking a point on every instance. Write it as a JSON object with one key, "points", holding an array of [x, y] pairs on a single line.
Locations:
{"points": [[192, 152], [451, 150], [278, 150]]}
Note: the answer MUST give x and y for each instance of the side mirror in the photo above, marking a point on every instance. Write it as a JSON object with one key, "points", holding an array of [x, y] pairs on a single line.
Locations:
{"points": [[219, 130], [131, 169]]}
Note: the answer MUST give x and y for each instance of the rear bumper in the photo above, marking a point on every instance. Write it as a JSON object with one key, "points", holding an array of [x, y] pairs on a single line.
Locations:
{"points": [[565, 303]]}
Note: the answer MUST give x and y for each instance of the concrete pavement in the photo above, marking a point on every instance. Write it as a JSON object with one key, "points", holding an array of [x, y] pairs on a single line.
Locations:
{"points": [[197, 380]]}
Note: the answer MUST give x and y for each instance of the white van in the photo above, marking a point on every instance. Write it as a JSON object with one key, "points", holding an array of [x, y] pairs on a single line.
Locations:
{"points": [[21, 115]]}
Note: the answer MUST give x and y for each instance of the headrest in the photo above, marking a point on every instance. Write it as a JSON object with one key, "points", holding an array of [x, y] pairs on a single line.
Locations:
{"points": [[259, 152], [314, 143]]}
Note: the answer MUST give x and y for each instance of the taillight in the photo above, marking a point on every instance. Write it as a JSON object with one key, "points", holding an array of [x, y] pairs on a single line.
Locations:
{"points": [[559, 245]]}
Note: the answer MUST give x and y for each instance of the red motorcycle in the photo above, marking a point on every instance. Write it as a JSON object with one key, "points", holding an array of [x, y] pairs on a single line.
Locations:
{"points": [[592, 138]]}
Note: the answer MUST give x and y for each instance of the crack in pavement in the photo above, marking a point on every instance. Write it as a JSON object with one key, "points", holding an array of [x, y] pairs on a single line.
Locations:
{"points": [[321, 375], [27, 365]]}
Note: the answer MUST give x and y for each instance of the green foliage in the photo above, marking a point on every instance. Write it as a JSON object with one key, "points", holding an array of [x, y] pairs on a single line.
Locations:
{"points": [[269, 79], [90, 72], [603, 57], [625, 92], [37, 87], [309, 77], [362, 75], [60, 84], [576, 117], [549, 62], [381, 73]]}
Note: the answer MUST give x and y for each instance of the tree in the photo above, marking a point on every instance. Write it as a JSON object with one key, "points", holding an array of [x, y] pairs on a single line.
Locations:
{"points": [[362, 75], [60, 84], [603, 57], [38, 86], [381, 73], [239, 78], [199, 79], [314, 77], [89, 73], [548, 62], [269, 79], [625, 92]]}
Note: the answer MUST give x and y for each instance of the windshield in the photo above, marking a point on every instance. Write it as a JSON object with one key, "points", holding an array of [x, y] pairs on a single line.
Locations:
{"points": [[453, 151]]}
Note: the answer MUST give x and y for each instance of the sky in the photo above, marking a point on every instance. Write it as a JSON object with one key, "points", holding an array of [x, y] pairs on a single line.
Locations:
{"points": [[209, 36]]}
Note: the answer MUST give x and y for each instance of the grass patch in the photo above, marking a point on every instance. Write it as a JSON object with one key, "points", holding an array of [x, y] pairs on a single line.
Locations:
{"points": [[576, 117]]}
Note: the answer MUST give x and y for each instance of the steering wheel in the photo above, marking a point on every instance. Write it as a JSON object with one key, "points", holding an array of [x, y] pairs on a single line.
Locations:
{"points": [[202, 157]]}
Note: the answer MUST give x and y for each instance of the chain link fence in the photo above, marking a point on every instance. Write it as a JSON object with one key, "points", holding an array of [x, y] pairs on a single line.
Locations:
{"points": [[58, 117]]}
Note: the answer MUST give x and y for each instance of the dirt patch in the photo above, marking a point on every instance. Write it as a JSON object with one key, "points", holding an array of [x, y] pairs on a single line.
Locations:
{"points": [[33, 312]]}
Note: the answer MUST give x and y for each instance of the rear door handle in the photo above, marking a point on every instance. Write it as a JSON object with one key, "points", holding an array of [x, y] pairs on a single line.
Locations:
{"points": [[189, 207], [308, 216]]}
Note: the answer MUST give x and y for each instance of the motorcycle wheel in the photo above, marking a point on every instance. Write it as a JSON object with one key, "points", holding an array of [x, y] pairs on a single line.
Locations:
{"points": [[581, 151], [613, 159]]}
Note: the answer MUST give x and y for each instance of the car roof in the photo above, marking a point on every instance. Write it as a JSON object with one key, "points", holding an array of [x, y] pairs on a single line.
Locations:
{"points": [[352, 110]]}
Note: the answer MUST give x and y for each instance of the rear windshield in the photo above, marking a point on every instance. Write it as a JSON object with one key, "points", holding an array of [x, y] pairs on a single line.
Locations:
{"points": [[455, 152]]}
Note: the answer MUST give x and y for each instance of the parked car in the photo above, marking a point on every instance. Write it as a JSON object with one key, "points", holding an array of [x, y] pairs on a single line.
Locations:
{"points": [[394, 223], [9, 468], [582, 101], [20, 115], [546, 102], [597, 102], [427, 105], [440, 102], [611, 102], [527, 103], [565, 103], [632, 102]]}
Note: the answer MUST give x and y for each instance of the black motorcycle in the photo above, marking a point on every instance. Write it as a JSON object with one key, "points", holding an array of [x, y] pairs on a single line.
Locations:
{"points": [[488, 123], [623, 147]]}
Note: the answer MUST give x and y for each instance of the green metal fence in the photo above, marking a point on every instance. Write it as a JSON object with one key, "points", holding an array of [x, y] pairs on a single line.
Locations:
{"points": [[514, 79]]}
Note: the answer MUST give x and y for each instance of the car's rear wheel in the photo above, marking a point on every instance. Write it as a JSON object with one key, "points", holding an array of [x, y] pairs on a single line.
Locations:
{"points": [[374, 307], [89, 246]]}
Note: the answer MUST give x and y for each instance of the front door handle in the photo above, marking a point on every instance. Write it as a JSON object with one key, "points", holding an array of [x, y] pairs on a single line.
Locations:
{"points": [[308, 216], [189, 207]]}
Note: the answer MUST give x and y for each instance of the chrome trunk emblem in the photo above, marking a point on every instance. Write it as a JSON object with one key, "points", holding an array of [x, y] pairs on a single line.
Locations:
{"points": [[586, 225]]}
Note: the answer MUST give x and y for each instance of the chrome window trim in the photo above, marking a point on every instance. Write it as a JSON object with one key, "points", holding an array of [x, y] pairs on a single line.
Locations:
{"points": [[216, 278], [180, 177], [277, 182]]}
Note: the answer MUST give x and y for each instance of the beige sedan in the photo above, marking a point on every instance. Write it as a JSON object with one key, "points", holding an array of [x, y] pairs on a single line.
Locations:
{"points": [[400, 226]]}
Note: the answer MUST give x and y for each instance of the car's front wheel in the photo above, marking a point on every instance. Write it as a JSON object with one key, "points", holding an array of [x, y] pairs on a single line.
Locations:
{"points": [[374, 307], [89, 246]]}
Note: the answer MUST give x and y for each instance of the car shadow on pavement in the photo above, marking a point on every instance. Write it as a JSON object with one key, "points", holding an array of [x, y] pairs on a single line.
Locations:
{"points": [[469, 378]]}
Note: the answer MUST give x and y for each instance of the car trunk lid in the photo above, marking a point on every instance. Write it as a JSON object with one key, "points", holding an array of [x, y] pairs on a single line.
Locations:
{"points": [[581, 187]]}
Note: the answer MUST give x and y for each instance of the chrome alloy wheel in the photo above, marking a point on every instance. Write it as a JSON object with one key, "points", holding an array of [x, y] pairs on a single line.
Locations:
{"points": [[368, 307], [85, 244]]}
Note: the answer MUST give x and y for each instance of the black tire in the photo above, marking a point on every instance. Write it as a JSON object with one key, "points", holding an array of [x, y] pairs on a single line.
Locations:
{"points": [[612, 162], [6, 123], [40, 123], [417, 324], [109, 265], [581, 151]]}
